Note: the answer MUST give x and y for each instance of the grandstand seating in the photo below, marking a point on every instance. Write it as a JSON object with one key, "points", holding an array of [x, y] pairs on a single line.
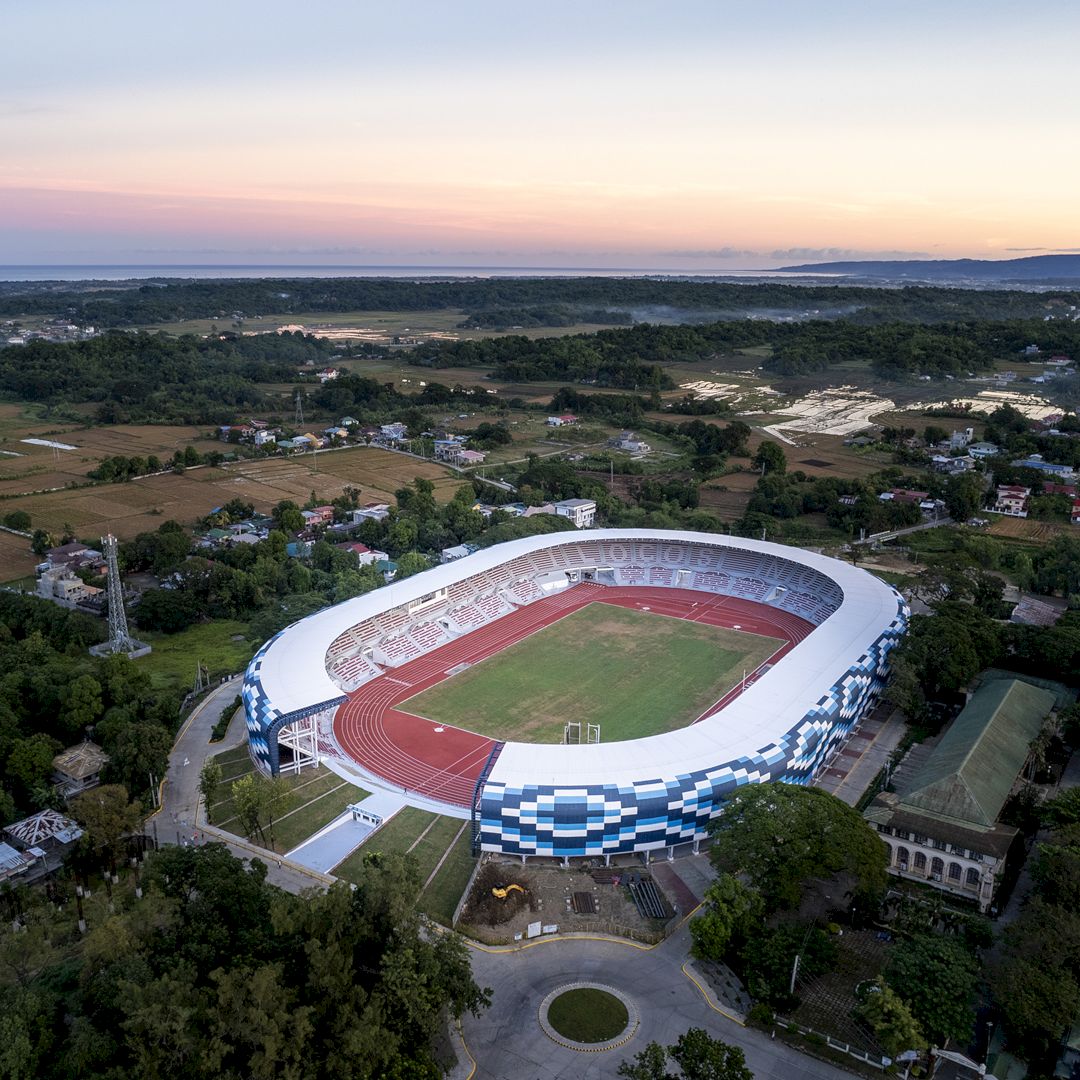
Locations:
{"points": [[428, 635], [524, 592], [487, 596]]}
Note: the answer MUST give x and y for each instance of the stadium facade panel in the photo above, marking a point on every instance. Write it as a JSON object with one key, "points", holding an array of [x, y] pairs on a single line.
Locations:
{"points": [[611, 798]]}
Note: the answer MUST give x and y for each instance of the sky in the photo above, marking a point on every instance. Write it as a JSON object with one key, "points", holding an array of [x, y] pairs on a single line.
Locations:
{"points": [[670, 135]]}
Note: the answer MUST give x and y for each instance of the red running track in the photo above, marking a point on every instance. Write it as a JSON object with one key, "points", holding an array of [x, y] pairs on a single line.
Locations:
{"points": [[443, 762]]}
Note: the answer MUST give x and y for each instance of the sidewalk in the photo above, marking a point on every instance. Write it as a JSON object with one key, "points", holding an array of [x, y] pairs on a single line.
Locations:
{"points": [[864, 755]]}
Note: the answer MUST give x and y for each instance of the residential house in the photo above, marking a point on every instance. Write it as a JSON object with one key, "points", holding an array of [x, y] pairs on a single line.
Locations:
{"points": [[980, 450], [63, 587], [628, 441], [266, 435], [473, 457], [71, 557], [961, 438], [348, 422], [452, 554], [388, 569], [1035, 461], [582, 512], [365, 556], [1051, 487], [943, 826], [1074, 514], [1012, 500], [336, 433], [392, 433], [567, 420], [904, 495], [328, 375], [318, 515], [46, 835], [951, 466], [371, 512], [78, 768]]}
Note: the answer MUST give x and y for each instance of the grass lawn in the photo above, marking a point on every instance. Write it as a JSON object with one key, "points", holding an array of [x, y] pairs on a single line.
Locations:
{"points": [[312, 799], [634, 673], [172, 663], [588, 1015], [441, 897], [426, 837]]}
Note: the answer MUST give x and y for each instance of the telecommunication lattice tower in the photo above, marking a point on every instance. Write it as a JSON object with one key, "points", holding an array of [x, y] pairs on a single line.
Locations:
{"points": [[120, 641]]}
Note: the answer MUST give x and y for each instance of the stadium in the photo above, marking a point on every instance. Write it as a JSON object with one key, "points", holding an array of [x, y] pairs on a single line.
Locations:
{"points": [[582, 693]]}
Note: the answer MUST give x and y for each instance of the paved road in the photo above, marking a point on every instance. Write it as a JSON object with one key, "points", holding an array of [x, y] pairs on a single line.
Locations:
{"points": [[177, 822], [508, 1044]]}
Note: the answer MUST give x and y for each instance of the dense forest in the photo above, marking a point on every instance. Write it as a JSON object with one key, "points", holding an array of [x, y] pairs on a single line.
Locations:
{"points": [[213, 973], [108, 304], [154, 378], [629, 358]]}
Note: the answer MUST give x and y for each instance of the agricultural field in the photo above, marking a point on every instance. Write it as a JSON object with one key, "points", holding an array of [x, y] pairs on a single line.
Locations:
{"points": [[26, 467], [634, 673], [143, 504]]}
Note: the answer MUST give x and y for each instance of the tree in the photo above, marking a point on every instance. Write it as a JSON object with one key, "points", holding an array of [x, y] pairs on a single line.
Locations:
{"points": [[702, 1057], [254, 798], [107, 815], [731, 911], [18, 520], [412, 562], [891, 1020], [139, 751], [82, 705], [937, 977], [287, 516], [30, 761], [209, 782], [963, 496], [782, 836], [1056, 867], [698, 1055], [769, 458]]}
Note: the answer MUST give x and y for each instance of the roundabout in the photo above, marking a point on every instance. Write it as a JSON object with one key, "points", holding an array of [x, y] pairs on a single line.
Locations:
{"points": [[588, 1016]]}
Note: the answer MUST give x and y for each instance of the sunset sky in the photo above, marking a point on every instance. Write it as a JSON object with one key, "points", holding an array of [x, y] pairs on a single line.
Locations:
{"points": [[672, 135]]}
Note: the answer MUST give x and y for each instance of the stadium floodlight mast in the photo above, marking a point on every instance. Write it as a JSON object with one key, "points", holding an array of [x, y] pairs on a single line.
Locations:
{"points": [[120, 640]]}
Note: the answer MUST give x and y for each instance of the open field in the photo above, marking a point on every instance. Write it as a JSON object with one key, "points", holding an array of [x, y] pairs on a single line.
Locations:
{"points": [[374, 327], [634, 673], [220, 645]]}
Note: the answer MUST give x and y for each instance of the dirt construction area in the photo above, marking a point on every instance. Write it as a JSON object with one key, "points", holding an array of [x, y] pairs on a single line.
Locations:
{"points": [[576, 900]]}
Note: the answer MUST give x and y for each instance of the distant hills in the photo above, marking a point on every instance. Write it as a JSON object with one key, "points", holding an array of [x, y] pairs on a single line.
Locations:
{"points": [[1043, 268]]}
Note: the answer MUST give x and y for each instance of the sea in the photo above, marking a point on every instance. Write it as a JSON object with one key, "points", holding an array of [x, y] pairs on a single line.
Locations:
{"points": [[134, 272]]}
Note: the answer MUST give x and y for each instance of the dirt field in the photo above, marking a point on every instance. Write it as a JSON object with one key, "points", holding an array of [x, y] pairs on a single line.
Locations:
{"points": [[548, 900], [1029, 529], [143, 504]]}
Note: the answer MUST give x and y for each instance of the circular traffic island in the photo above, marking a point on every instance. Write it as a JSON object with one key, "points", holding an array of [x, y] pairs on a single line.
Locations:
{"points": [[586, 1016]]}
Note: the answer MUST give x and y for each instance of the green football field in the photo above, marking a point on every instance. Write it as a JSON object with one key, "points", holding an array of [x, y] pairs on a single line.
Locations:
{"points": [[632, 672]]}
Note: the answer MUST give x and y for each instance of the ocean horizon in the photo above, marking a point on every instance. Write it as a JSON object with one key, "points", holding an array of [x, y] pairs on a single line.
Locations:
{"points": [[139, 271]]}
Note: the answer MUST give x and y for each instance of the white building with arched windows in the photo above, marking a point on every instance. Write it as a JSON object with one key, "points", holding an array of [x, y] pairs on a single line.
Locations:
{"points": [[943, 827]]}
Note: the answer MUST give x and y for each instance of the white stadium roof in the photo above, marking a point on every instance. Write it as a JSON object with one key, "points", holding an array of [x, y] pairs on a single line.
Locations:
{"points": [[294, 678]]}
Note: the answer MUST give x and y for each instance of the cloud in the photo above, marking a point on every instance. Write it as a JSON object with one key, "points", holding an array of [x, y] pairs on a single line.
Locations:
{"points": [[844, 253], [712, 253]]}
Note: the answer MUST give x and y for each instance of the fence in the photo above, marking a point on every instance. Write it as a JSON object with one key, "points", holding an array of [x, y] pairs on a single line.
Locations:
{"points": [[831, 1043]]}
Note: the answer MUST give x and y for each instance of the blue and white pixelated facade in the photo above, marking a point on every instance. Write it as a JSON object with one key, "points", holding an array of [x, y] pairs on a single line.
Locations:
{"points": [[648, 794]]}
